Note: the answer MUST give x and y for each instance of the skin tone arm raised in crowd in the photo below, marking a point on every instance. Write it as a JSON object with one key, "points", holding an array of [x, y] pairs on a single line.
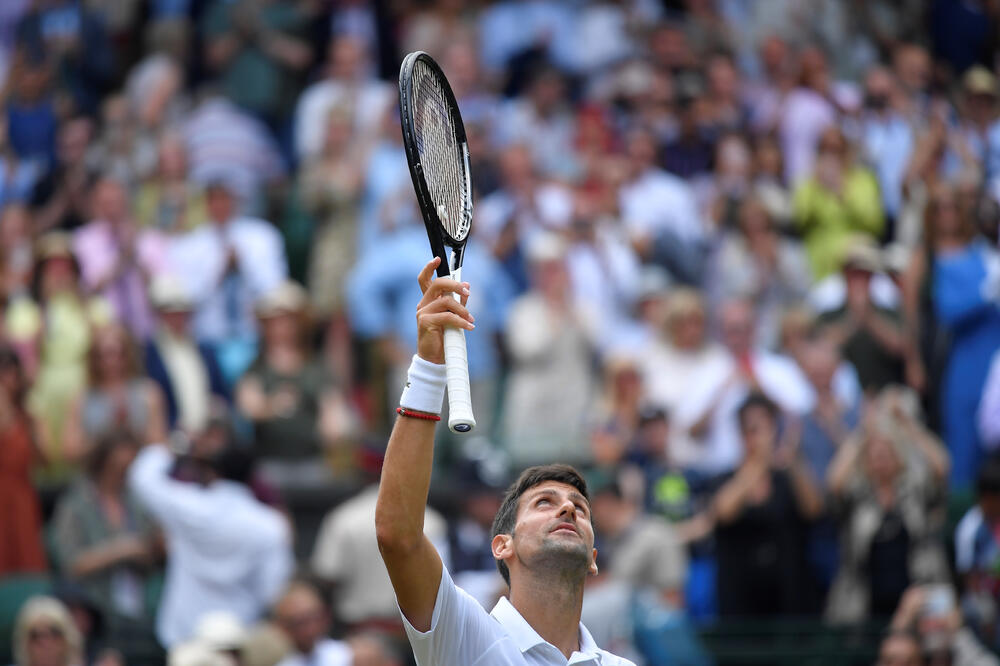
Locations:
{"points": [[414, 565]]}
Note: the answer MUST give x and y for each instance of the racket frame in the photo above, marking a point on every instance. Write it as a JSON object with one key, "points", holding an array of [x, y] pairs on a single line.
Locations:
{"points": [[460, 419]]}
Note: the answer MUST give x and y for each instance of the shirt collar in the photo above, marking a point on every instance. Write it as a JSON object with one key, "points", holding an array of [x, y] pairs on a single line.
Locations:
{"points": [[525, 637]]}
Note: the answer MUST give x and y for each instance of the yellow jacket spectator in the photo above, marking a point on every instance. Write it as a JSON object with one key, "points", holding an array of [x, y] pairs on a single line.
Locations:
{"points": [[836, 202]]}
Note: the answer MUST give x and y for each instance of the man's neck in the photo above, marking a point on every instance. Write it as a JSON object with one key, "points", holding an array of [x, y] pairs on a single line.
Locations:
{"points": [[552, 607]]}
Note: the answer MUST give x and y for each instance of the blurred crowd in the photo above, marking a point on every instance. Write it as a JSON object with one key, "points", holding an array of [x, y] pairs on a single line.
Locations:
{"points": [[736, 259]]}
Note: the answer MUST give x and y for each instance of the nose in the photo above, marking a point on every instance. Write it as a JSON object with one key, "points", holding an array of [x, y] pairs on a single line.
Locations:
{"points": [[567, 508]]}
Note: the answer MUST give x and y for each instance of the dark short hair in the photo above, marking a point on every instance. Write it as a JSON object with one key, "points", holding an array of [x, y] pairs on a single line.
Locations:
{"points": [[507, 515], [988, 479], [107, 443], [757, 400]]}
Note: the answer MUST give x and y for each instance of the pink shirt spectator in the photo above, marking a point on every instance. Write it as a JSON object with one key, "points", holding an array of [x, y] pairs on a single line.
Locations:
{"points": [[99, 248]]}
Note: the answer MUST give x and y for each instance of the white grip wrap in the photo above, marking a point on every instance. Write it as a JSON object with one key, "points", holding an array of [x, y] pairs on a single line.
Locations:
{"points": [[456, 361]]}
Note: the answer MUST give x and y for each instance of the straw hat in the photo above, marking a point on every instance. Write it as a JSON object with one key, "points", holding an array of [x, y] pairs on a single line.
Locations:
{"points": [[167, 294], [980, 81], [287, 298]]}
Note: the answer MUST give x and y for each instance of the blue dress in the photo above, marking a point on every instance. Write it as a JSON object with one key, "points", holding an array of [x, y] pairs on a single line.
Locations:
{"points": [[965, 291]]}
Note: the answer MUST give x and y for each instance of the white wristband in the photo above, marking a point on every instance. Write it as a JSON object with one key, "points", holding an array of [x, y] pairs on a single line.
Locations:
{"points": [[425, 384]]}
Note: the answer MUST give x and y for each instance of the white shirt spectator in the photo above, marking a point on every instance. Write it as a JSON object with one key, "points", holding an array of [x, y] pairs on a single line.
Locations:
{"points": [[988, 417], [368, 102], [605, 274], [347, 553], [225, 550], [721, 448], [326, 652], [462, 633], [657, 201], [225, 302]]}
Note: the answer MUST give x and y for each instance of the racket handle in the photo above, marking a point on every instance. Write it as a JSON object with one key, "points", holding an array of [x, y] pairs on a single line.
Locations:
{"points": [[456, 361]]}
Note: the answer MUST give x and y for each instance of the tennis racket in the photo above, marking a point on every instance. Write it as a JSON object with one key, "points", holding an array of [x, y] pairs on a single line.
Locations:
{"points": [[438, 156]]}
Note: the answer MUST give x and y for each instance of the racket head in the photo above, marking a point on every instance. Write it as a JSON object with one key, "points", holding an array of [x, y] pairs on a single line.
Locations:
{"points": [[437, 153]]}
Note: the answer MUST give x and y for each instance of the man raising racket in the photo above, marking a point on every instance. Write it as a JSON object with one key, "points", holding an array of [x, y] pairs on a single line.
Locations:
{"points": [[543, 537]]}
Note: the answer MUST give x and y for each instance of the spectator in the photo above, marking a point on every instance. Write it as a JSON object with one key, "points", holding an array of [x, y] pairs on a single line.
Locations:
{"points": [[117, 396], [659, 212], [225, 550], [116, 260], [760, 514], [30, 118], [44, 635], [258, 50], [900, 648], [15, 252], [674, 361], [870, 337], [168, 201], [542, 119], [77, 41], [708, 414], [347, 555], [838, 200], [330, 188], [965, 297], [469, 534], [977, 551], [618, 411], [123, 151], [226, 144], [106, 541], [302, 616], [21, 523], [297, 412], [807, 111], [755, 263], [887, 137], [228, 264], [885, 483], [54, 329], [186, 371], [644, 551], [930, 612], [346, 83], [551, 382], [980, 122], [61, 199], [18, 174], [832, 418]]}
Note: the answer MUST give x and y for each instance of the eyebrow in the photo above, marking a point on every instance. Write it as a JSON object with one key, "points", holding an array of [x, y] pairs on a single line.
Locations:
{"points": [[574, 495]]}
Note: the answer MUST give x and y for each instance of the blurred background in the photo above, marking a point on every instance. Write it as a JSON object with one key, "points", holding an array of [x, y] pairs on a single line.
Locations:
{"points": [[735, 259]]}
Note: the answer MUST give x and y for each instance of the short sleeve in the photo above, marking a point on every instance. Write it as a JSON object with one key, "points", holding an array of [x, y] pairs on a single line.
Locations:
{"points": [[461, 630]]}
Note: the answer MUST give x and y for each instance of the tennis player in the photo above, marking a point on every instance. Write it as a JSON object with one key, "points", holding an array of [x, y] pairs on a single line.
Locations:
{"points": [[543, 539]]}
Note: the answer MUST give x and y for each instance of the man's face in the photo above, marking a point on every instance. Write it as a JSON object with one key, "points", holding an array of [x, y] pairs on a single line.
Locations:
{"points": [[302, 616], [553, 532]]}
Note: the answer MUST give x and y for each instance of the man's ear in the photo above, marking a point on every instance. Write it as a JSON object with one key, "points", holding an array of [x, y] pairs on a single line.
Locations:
{"points": [[502, 546], [592, 570]]}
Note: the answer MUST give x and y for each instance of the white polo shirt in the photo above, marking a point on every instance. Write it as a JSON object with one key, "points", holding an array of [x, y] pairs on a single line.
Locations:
{"points": [[462, 634]]}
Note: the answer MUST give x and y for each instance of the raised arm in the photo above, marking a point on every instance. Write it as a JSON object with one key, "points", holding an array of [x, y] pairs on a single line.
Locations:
{"points": [[412, 562]]}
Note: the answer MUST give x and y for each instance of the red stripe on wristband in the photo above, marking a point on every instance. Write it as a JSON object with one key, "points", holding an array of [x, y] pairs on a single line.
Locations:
{"points": [[402, 411]]}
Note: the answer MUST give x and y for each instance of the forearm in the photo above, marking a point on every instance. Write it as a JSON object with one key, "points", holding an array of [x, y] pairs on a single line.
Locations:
{"points": [[289, 51], [887, 333], [807, 495], [406, 477]]}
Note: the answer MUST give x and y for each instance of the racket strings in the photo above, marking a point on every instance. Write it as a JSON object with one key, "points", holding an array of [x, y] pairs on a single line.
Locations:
{"points": [[441, 157]]}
